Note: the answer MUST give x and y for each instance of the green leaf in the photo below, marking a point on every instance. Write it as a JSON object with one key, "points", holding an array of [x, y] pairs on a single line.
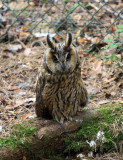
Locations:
{"points": [[121, 34], [65, 1], [120, 30], [87, 5], [120, 26], [109, 40], [74, 6], [106, 47]]}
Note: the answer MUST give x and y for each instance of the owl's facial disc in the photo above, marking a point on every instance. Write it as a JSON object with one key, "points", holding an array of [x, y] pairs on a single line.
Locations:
{"points": [[61, 61], [61, 57]]}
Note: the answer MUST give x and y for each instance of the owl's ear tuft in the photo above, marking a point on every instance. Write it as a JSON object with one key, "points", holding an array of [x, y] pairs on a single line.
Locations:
{"points": [[51, 42], [68, 40]]}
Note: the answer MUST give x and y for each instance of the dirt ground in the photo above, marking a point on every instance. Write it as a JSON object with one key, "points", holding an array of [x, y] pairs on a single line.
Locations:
{"points": [[19, 70], [20, 64]]}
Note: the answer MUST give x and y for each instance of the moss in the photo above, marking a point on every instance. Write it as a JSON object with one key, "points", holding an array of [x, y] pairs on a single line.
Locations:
{"points": [[50, 152], [109, 121], [20, 136], [56, 158]]}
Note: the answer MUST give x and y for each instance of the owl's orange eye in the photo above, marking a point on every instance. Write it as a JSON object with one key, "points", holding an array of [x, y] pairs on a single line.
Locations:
{"points": [[68, 56]]}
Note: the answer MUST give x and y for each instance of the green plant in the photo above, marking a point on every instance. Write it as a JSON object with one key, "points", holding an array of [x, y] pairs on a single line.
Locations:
{"points": [[94, 53], [110, 116], [120, 30], [113, 43], [53, 158], [19, 137], [77, 5], [65, 1], [112, 58], [7, 1], [46, 1], [91, 95]]}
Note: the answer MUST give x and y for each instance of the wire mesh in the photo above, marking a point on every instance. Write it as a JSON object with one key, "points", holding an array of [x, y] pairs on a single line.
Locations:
{"points": [[95, 18]]}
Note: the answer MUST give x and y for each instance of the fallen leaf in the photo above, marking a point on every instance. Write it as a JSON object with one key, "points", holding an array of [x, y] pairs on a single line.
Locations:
{"points": [[24, 158], [29, 6], [103, 102], [80, 156], [113, 93], [20, 94], [24, 34], [13, 106], [91, 59], [15, 48], [26, 116], [112, 29], [92, 90], [81, 40], [1, 128], [98, 66], [29, 100], [108, 62], [95, 40], [109, 80], [19, 6], [105, 69], [12, 112], [12, 88], [24, 28], [27, 51], [38, 34], [121, 102], [77, 17], [23, 85], [78, 33]]}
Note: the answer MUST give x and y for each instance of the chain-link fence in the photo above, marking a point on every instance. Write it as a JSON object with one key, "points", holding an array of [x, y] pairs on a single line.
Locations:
{"points": [[92, 19]]}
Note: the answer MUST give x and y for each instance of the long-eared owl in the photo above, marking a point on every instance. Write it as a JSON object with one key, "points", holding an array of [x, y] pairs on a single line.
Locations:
{"points": [[60, 91]]}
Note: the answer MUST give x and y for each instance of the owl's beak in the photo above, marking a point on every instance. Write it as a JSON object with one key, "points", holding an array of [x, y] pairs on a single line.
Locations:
{"points": [[63, 67]]}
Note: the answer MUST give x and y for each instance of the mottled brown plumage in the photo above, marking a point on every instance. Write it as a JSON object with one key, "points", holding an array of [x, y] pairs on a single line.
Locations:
{"points": [[60, 91]]}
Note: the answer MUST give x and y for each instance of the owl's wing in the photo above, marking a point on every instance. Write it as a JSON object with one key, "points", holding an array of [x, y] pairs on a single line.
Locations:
{"points": [[39, 107], [84, 98]]}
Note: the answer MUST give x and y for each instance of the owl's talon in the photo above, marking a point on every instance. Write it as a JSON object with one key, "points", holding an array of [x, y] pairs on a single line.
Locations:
{"points": [[78, 120]]}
